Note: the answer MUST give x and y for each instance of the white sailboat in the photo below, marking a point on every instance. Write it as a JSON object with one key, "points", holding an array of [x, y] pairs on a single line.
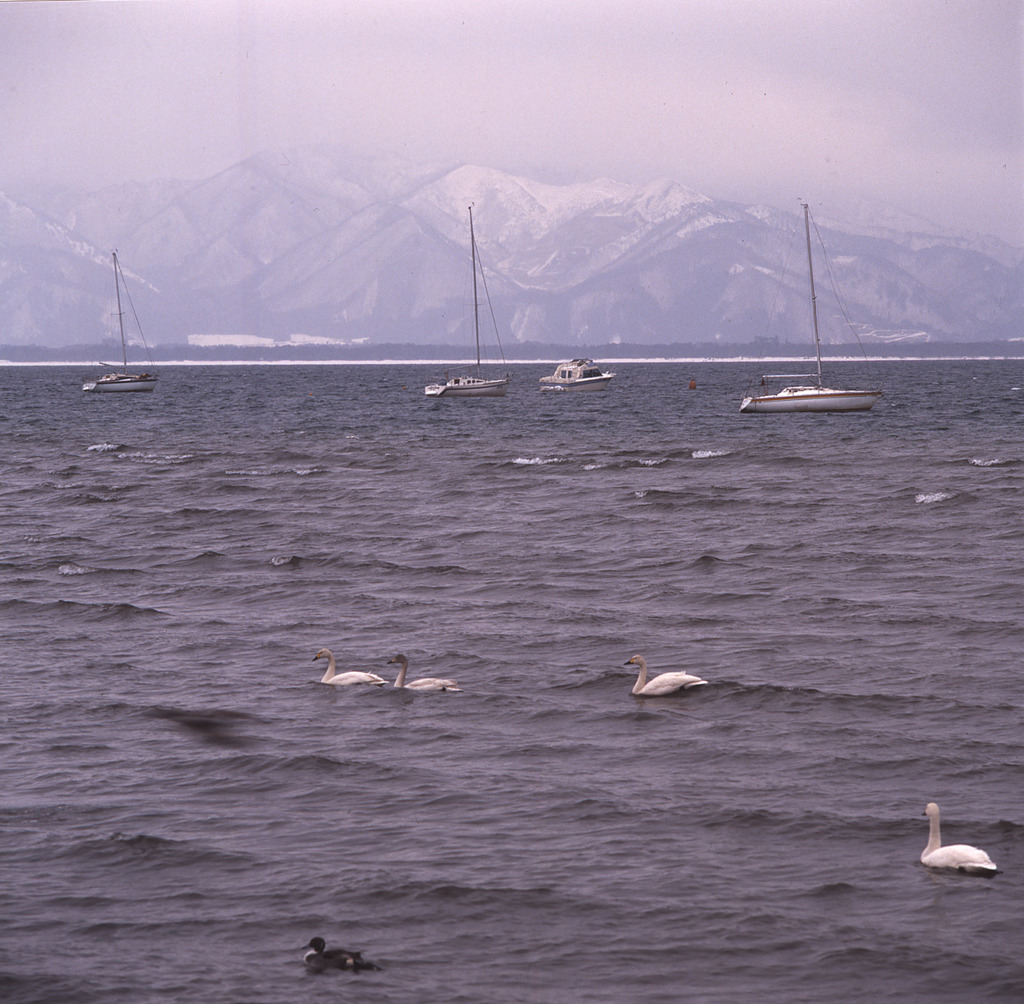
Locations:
{"points": [[475, 384], [807, 397], [121, 380]]}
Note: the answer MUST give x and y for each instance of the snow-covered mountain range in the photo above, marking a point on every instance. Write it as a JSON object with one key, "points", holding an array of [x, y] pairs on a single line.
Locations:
{"points": [[318, 244]]}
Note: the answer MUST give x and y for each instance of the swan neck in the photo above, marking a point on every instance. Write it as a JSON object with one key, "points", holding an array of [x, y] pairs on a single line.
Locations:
{"points": [[331, 668], [641, 678], [934, 834], [403, 665]]}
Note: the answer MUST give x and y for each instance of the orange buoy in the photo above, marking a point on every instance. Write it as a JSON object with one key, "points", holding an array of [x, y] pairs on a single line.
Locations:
{"points": [[693, 385]]}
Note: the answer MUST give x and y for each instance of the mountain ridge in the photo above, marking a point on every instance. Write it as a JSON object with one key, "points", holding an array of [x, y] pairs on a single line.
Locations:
{"points": [[362, 250]]}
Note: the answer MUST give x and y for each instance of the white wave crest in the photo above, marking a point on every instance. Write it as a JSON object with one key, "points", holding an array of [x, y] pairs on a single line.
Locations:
{"points": [[157, 458], [537, 460], [926, 498], [101, 448], [707, 454], [70, 568], [982, 462]]}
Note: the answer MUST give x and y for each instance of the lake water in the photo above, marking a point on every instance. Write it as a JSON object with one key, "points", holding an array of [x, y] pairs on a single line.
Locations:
{"points": [[184, 806]]}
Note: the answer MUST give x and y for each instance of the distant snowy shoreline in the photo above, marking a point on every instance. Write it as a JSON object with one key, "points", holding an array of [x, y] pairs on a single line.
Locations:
{"points": [[738, 360]]}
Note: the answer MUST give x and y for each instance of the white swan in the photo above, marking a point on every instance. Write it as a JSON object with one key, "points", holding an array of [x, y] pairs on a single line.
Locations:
{"points": [[962, 857], [666, 683], [424, 683], [345, 679]]}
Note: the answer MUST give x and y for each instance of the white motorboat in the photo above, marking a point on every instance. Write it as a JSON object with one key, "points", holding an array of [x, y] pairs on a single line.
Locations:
{"points": [[807, 396], [577, 374], [121, 380], [474, 384]]}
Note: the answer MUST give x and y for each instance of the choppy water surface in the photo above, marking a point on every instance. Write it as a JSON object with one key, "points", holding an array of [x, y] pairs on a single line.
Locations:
{"points": [[184, 806]]}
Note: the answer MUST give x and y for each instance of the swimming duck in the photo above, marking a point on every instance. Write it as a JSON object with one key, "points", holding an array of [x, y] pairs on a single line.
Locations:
{"points": [[424, 682], [321, 957], [962, 857], [666, 683], [345, 679]]}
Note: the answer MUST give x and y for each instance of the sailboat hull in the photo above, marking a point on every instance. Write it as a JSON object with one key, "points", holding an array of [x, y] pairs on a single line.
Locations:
{"points": [[120, 383], [468, 386], [793, 399]]}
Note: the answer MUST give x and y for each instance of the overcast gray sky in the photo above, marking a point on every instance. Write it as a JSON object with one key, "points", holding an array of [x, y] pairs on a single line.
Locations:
{"points": [[919, 103]]}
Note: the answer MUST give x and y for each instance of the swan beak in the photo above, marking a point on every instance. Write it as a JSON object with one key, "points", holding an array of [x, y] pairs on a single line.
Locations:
{"points": [[628, 662]]}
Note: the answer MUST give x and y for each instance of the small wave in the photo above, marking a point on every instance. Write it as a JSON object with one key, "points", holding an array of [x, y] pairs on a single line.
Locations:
{"points": [[311, 766], [121, 848], [117, 612], [707, 563], [143, 841], [531, 461], [92, 611], [285, 559], [206, 559], [102, 448], [467, 895], [663, 495], [653, 463], [70, 568], [274, 472], [593, 467], [926, 498], [987, 462], [158, 458], [708, 454]]}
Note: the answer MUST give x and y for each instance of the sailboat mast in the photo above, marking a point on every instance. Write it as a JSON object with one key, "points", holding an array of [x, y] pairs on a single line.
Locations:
{"points": [[476, 302], [120, 313], [814, 299]]}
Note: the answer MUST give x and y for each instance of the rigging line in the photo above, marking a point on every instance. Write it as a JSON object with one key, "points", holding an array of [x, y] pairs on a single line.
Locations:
{"points": [[835, 290], [778, 292], [784, 271], [490, 308], [138, 323], [782, 277]]}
